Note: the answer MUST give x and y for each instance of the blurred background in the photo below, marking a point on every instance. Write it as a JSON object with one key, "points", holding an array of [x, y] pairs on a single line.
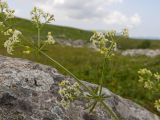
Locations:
{"points": [[75, 22]]}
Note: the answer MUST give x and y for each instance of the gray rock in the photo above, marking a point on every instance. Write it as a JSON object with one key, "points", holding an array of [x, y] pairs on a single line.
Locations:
{"points": [[78, 43], [28, 91], [145, 52], [73, 43]]}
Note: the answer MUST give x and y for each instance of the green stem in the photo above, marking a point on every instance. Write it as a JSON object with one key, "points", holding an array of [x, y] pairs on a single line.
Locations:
{"points": [[42, 46], [93, 106], [102, 76], [66, 70], [38, 37], [108, 109]]}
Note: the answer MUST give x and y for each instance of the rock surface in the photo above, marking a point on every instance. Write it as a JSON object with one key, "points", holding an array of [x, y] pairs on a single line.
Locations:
{"points": [[146, 52], [73, 43], [28, 91], [130, 52]]}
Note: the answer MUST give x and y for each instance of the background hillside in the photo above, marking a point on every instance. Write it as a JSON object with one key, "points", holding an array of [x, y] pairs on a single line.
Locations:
{"points": [[69, 33], [121, 74]]}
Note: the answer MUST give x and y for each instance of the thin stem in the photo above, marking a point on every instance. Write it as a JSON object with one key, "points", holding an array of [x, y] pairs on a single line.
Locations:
{"points": [[38, 37], [102, 76], [66, 70], [93, 106], [109, 110], [42, 46]]}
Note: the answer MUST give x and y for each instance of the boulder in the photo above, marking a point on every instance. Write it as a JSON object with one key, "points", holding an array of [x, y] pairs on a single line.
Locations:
{"points": [[29, 91]]}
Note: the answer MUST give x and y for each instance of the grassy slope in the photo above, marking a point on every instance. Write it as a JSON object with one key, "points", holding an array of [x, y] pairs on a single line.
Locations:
{"points": [[121, 74], [59, 31], [72, 33]]}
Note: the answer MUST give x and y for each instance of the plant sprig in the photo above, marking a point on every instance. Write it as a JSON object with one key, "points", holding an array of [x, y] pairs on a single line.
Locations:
{"points": [[104, 45], [151, 81]]}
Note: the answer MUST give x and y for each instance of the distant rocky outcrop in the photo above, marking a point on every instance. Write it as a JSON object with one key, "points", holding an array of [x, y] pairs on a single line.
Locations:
{"points": [[28, 91], [145, 52], [73, 43], [130, 52]]}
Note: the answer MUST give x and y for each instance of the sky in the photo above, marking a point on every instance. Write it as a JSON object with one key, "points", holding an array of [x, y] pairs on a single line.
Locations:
{"points": [[141, 17]]}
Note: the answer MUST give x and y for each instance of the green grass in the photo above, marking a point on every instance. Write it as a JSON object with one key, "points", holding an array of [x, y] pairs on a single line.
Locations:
{"points": [[120, 74], [61, 32]]}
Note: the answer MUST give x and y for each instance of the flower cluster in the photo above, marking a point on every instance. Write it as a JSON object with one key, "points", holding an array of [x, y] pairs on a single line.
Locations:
{"points": [[39, 17], [50, 39], [111, 33], [12, 40], [68, 92], [151, 81], [104, 46], [157, 105], [144, 74], [3, 6], [5, 14], [145, 77], [9, 13], [125, 33], [8, 32], [27, 50], [157, 76]]}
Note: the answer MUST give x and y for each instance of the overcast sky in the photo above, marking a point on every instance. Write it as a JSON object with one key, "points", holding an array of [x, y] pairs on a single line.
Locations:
{"points": [[142, 17]]}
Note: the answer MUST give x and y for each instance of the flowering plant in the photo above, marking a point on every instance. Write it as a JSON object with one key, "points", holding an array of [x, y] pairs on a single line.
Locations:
{"points": [[151, 82], [105, 44]]}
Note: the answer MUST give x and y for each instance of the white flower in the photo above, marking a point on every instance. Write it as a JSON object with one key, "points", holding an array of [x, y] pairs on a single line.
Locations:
{"points": [[9, 13], [157, 76], [3, 6], [50, 39], [39, 16], [9, 44], [148, 84], [8, 32], [157, 105], [145, 71], [103, 45], [5, 9], [68, 92], [125, 33]]}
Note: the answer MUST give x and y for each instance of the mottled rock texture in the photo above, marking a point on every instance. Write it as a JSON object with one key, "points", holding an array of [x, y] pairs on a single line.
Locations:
{"points": [[138, 52], [28, 91]]}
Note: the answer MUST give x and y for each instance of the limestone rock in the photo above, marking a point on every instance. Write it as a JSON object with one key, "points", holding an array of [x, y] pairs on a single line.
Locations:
{"points": [[145, 52], [28, 91]]}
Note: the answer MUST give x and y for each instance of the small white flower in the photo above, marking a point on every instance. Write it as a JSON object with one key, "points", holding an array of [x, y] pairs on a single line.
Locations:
{"points": [[68, 92], [157, 76], [39, 17], [50, 39], [5, 9], [125, 33], [9, 44], [9, 13], [8, 32], [103, 45], [3, 6]]}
